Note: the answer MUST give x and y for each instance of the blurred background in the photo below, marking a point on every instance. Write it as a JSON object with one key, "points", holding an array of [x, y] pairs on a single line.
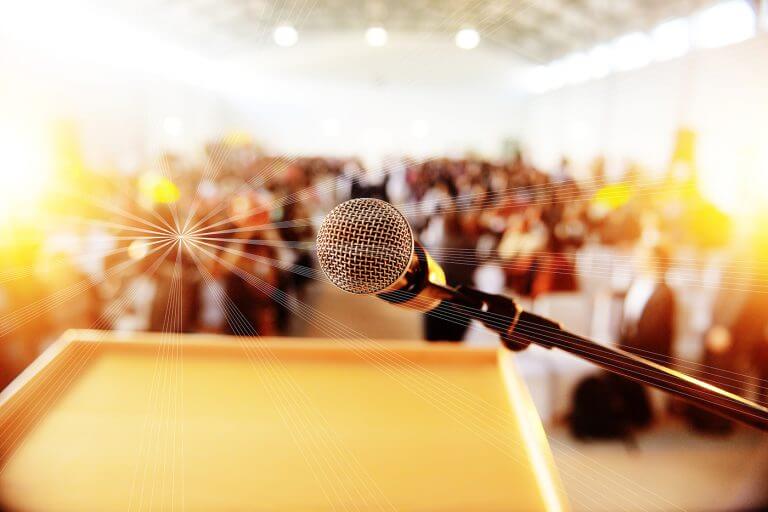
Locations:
{"points": [[604, 162]]}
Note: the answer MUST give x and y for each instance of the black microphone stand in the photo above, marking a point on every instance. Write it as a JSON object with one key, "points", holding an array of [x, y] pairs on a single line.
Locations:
{"points": [[518, 329]]}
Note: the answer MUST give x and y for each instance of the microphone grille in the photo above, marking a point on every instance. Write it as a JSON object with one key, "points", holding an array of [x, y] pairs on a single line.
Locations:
{"points": [[364, 245]]}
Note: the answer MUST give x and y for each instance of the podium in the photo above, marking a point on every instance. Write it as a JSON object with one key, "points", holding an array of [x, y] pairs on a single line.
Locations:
{"points": [[111, 421]]}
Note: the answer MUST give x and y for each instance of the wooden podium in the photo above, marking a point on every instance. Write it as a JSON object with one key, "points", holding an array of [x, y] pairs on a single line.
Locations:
{"points": [[108, 421]]}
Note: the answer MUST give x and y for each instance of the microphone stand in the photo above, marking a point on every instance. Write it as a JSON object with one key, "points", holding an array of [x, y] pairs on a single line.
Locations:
{"points": [[518, 329]]}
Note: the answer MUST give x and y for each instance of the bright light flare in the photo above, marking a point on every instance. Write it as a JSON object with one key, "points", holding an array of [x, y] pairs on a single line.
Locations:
{"points": [[138, 249], [723, 24], [286, 36], [376, 36], [539, 80], [631, 51], [75, 33], [25, 166], [576, 67], [599, 59], [158, 189], [467, 38], [613, 196], [671, 39], [736, 181]]}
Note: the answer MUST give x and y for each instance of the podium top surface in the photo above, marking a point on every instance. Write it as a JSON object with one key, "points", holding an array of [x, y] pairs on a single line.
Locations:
{"points": [[105, 421]]}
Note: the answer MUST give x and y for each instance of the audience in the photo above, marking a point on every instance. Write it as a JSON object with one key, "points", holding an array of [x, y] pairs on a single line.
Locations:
{"points": [[258, 216]]}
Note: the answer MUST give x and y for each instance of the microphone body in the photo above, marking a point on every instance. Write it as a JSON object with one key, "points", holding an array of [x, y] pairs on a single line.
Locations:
{"points": [[421, 287], [385, 259]]}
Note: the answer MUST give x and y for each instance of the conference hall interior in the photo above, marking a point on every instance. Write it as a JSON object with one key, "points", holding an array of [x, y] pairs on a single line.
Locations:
{"points": [[169, 339]]}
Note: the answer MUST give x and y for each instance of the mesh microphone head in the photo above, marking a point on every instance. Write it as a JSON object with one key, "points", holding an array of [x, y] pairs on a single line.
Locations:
{"points": [[364, 245]]}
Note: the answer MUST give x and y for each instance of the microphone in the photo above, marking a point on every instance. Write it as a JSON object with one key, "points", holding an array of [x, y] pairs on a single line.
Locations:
{"points": [[366, 246]]}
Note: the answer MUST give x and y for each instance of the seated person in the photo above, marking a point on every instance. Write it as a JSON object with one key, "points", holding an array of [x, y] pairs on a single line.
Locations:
{"points": [[606, 405], [648, 327]]}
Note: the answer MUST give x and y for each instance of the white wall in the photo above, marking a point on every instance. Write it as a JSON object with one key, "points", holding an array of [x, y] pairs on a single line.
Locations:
{"points": [[472, 101], [462, 100], [373, 123], [720, 93]]}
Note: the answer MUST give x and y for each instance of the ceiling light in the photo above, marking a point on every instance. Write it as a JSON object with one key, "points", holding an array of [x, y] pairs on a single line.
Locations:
{"points": [[723, 24], [546, 78], [671, 39], [376, 36], [631, 51], [557, 74], [539, 80], [599, 61], [576, 66], [467, 38], [286, 35]]}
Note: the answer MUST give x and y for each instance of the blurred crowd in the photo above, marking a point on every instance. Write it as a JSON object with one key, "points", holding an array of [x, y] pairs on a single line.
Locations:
{"points": [[99, 260]]}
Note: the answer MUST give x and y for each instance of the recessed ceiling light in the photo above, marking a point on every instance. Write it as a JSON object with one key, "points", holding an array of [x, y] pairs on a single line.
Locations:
{"points": [[631, 51], [599, 61], [557, 73], [376, 36], [467, 38], [671, 39], [576, 68], [723, 24], [539, 79], [285, 35]]}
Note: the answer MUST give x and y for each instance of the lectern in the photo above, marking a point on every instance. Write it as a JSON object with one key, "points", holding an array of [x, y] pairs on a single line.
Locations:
{"points": [[109, 421]]}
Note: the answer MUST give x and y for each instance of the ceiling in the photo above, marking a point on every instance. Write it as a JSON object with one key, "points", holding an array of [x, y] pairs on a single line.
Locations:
{"points": [[537, 30]]}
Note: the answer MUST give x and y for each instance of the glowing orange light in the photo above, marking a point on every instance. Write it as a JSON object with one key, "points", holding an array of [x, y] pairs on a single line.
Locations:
{"points": [[23, 171], [238, 138], [158, 189], [138, 249], [249, 209], [613, 196]]}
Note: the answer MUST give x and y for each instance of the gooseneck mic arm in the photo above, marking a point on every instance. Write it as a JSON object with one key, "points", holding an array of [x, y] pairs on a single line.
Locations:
{"points": [[518, 329]]}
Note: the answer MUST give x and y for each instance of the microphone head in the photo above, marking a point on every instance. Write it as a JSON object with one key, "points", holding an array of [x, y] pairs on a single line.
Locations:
{"points": [[364, 245]]}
